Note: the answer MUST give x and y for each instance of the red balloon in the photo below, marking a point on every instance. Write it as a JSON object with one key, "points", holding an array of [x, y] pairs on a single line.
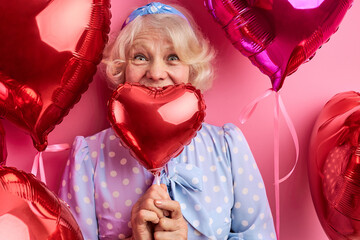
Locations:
{"points": [[30, 211], [278, 35], [3, 150], [334, 166], [156, 124], [49, 51]]}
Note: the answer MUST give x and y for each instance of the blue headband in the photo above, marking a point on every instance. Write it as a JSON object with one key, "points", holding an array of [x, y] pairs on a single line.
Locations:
{"points": [[152, 8]]}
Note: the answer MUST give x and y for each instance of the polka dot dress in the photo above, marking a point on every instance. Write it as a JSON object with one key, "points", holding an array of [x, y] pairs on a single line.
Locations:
{"points": [[215, 179]]}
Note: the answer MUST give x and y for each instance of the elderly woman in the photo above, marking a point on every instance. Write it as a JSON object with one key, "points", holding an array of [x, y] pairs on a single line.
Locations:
{"points": [[212, 190]]}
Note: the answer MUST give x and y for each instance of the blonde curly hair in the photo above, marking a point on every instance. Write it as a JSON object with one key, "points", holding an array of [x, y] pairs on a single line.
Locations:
{"points": [[189, 43]]}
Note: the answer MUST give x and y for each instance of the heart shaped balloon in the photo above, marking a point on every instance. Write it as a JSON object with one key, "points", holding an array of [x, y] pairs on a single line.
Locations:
{"points": [[278, 35], [49, 51], [3, 150], [334, 166], [30, 211], [156, 124]]}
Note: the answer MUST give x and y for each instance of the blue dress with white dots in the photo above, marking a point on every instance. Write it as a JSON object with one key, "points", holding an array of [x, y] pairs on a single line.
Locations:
{"points": [[215, 179]]}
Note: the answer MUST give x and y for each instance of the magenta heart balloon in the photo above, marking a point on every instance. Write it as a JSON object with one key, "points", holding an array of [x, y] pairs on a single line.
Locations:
{"points": [[278, 35]]}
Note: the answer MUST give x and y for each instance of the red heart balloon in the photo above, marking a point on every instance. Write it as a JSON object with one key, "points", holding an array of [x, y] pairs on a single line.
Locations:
{"points": [[278, 35], [334, 166], [30, 211], [49, 51], [3, 150], [156, 124]]}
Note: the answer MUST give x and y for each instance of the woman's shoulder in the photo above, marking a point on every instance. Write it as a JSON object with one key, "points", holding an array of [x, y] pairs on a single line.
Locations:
{"points": [[225, 139], [94, 141], [213, 130], [97, 138], [102, 135]]}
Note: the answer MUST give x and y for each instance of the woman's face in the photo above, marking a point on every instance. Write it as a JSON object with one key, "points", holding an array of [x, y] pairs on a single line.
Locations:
{"points": [[153, 62]]}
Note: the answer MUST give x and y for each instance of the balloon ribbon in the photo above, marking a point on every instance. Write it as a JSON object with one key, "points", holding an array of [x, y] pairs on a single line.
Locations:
{"points": [[279, 106], [156, 172], [39, 162]]}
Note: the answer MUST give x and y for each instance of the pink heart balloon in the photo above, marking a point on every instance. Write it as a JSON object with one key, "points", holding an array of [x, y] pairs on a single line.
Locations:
{"points": [[334, 166], [278, 35], [156, 124]]}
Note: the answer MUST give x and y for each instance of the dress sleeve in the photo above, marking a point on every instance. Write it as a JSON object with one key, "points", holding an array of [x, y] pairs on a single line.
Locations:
{"points": [[251, 214], [77, 188]]}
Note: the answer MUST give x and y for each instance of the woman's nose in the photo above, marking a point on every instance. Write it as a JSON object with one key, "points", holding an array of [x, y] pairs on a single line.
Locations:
{"points": [[157, 71]]}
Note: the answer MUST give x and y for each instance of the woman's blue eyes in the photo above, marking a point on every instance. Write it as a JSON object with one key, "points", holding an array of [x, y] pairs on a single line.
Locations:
{"points": [[140, 57], [172, 57]]}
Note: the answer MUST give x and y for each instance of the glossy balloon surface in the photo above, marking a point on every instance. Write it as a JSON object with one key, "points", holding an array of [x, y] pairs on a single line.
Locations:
{"points": [[3, 149], [156, 124], [278, 35], [334, 166], [30, 211], [49, 51]]}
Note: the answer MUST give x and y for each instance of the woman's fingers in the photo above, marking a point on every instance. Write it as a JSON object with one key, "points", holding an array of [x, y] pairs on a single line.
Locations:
{"points": [[147, 216], [173, 207], [176, 221], [155, 192], [148, 204], [168, 228], [168, 224], [166, 195]]}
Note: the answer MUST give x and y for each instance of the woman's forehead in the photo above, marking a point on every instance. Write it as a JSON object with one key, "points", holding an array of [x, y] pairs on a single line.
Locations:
{"points": [[154, 32], [149, 37]]}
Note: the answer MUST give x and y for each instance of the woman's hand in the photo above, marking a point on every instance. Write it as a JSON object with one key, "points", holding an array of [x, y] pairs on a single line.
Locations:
{"points": [[172, 226], [144, 214]]}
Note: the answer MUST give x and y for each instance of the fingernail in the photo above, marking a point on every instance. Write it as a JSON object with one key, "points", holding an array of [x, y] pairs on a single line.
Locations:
{"points": [[158, 202]]}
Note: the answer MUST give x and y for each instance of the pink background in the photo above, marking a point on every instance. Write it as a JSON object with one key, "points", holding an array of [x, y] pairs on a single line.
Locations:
{"points": [[334, 69]]}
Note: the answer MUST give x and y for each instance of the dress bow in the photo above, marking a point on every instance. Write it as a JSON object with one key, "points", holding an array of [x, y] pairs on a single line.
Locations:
{"points": [[185, 184]]}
